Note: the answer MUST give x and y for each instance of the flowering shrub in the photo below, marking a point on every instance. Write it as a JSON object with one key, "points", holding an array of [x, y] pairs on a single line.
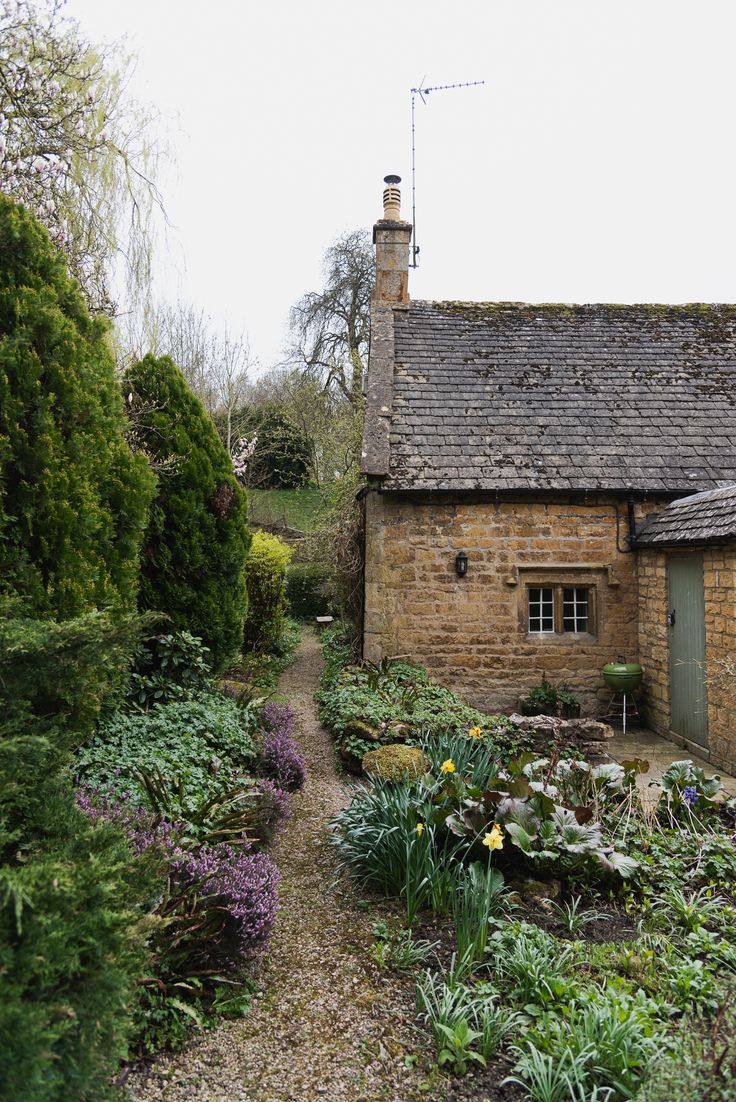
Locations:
{"points": [[220, 901], [143, 829], [281, 757], [225, 911]]}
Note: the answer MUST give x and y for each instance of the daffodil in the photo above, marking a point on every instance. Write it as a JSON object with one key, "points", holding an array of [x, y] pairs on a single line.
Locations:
{"points": [[420, 829], [475, 732], [494, 838], [448, 766]]}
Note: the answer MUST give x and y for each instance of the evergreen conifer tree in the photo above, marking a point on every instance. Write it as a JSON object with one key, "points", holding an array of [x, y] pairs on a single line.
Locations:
{"points": [[196, 543], [73, 496]]}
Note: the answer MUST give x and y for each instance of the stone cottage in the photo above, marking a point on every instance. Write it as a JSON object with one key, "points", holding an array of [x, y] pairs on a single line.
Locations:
{"points": [[512, 453]]}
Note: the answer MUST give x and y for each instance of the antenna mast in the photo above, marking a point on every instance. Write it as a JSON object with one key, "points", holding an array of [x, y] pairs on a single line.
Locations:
{"points": [[421, 91]]}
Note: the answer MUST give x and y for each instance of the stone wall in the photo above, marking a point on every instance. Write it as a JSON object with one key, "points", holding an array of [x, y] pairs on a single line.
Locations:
{"points": [[719, 575], [471, 632], [653, 637], [719, 582]]}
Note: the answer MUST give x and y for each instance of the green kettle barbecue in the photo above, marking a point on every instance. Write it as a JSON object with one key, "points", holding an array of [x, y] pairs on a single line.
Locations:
{"points": [[623, 676]]}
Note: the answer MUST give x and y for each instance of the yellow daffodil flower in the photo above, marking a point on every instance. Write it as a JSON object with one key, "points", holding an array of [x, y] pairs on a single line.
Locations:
{"points": [[475, 732], [494, 838], [448, 766], [420, 829]]}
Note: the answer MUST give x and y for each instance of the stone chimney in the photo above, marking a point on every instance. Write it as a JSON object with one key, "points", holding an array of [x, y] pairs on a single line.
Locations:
{"points": [[391, 237]]}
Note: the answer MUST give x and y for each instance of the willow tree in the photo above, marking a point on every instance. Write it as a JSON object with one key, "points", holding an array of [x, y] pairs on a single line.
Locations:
{"points": [[74, 147]]}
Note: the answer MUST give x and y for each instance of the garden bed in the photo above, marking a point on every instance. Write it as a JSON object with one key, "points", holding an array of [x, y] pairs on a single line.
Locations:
{"points": [[561, 932]]}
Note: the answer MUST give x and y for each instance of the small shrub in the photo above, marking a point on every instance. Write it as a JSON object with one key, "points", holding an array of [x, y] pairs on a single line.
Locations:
{"points": [[281, 757], [222, 911], [166, 666], [395, 762], [265, 579], [306, 590]]}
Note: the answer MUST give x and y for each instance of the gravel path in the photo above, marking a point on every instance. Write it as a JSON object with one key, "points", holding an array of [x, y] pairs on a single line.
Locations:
{"points": [[327, 1023]]}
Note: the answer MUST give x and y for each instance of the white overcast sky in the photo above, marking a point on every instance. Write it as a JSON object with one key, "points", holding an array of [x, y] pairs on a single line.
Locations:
{"points": [[595, 164]]}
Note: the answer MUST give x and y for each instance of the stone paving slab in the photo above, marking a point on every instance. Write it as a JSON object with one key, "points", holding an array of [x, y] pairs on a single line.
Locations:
{"points": [[660, 753]]}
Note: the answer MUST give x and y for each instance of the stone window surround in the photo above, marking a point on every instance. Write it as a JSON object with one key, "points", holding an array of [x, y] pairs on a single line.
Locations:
{"points": [[559, 633], [559, 576]]}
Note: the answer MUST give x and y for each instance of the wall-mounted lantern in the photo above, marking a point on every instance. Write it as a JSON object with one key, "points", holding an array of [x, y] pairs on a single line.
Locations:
{"points": [[461, 564]]}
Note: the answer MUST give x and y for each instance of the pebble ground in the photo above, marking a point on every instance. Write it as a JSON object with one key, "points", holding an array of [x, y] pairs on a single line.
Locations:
{"points": [[326, 1023]]}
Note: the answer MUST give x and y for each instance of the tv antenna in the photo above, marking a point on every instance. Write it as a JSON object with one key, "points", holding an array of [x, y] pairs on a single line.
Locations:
{"points": [[422, 92]]}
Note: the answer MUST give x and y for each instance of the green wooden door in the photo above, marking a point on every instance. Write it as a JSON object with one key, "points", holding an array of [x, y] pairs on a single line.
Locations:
{"points": [[688, 699]]}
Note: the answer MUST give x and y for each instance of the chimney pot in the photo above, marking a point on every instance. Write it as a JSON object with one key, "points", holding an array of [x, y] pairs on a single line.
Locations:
{"points": [[392, 199], [391, 236]]}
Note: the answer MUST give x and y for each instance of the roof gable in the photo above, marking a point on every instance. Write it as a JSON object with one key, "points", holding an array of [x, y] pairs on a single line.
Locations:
{"points": [[507, 396]]}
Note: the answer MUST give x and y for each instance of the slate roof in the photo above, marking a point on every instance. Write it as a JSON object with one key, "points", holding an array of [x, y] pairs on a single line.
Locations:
{"points": [[709, 517], [507, 396]]}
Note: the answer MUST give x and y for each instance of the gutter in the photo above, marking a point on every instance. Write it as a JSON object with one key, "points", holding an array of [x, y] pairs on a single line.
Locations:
{"points": [[527, 493]]}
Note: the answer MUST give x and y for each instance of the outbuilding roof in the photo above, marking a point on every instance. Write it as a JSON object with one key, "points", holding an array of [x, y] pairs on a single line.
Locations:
{"points": [[709, 517], [508, 396]]}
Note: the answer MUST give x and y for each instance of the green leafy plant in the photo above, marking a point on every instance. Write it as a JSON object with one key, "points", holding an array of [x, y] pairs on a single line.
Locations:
{"points": [[689, 794], [455, 1048], [529, 965], [205, 740], [248, 813], [167, 666], [396, 701], [399, 949], [547, 833], [571, 915], [689, 910], [548, 1079], [479, 895], [608, 1037], [546, 699]]}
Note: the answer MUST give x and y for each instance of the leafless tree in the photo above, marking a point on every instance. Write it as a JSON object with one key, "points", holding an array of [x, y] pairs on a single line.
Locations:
{"points": [[215, 364], [229, 381], [330, 327]]}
